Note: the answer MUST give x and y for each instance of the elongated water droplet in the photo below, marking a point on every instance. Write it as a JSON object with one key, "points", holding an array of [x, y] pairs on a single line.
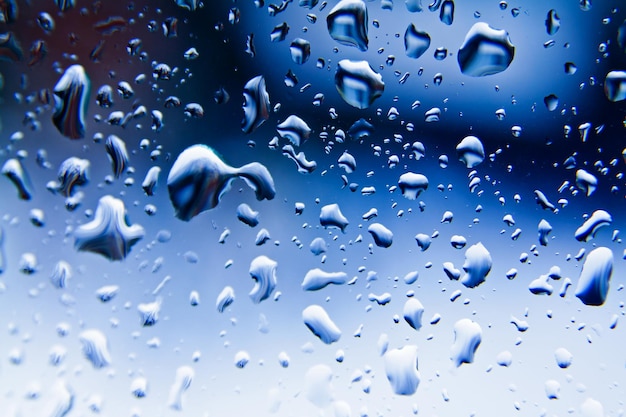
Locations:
{"points": [[256, 104], [14, 171], [263, 272], [71, 98], [95, 348], [316, 279], [182, 381]]}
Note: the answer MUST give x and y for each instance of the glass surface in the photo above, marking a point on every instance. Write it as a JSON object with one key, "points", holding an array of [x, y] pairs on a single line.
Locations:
{"points": [[311, 208]]}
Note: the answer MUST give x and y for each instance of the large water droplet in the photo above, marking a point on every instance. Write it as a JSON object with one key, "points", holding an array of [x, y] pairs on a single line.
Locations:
{"points": [[402, 370], [485, 51], [416, 42], [347, 23], [593, 283], [615, 85], [357, 83], [467, 338]]}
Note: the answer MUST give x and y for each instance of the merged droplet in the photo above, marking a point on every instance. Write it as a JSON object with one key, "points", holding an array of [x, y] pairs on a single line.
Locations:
{"points": [[71, 98], [416, 42], [485, 51], [108, 234], [256, 104], [402, 370], [593, 283], [199, 178], [357, 83], [347, 23]]}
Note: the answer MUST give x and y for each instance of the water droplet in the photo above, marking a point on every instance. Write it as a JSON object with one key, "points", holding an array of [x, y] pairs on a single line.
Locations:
{"points": [[383, 237], [347, 23], [300, 50], [563, 358], [14, 171], [263, 272], [182, 382], [412, 184], [590, 227], [116, 150], [225, 298], [586, 182], [446, 13], [108, 234], [357, 83], [95, 348], [331, 216], [615, 86], [553, 22], [256, 104], [551, 101], [593, 283], [477, 265], [485, 51], [470, 151], [401, 369], [199, 178], [467, 338], [320, 324], [294, 129], [413, 312], [316, 279], [416, 42]]}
